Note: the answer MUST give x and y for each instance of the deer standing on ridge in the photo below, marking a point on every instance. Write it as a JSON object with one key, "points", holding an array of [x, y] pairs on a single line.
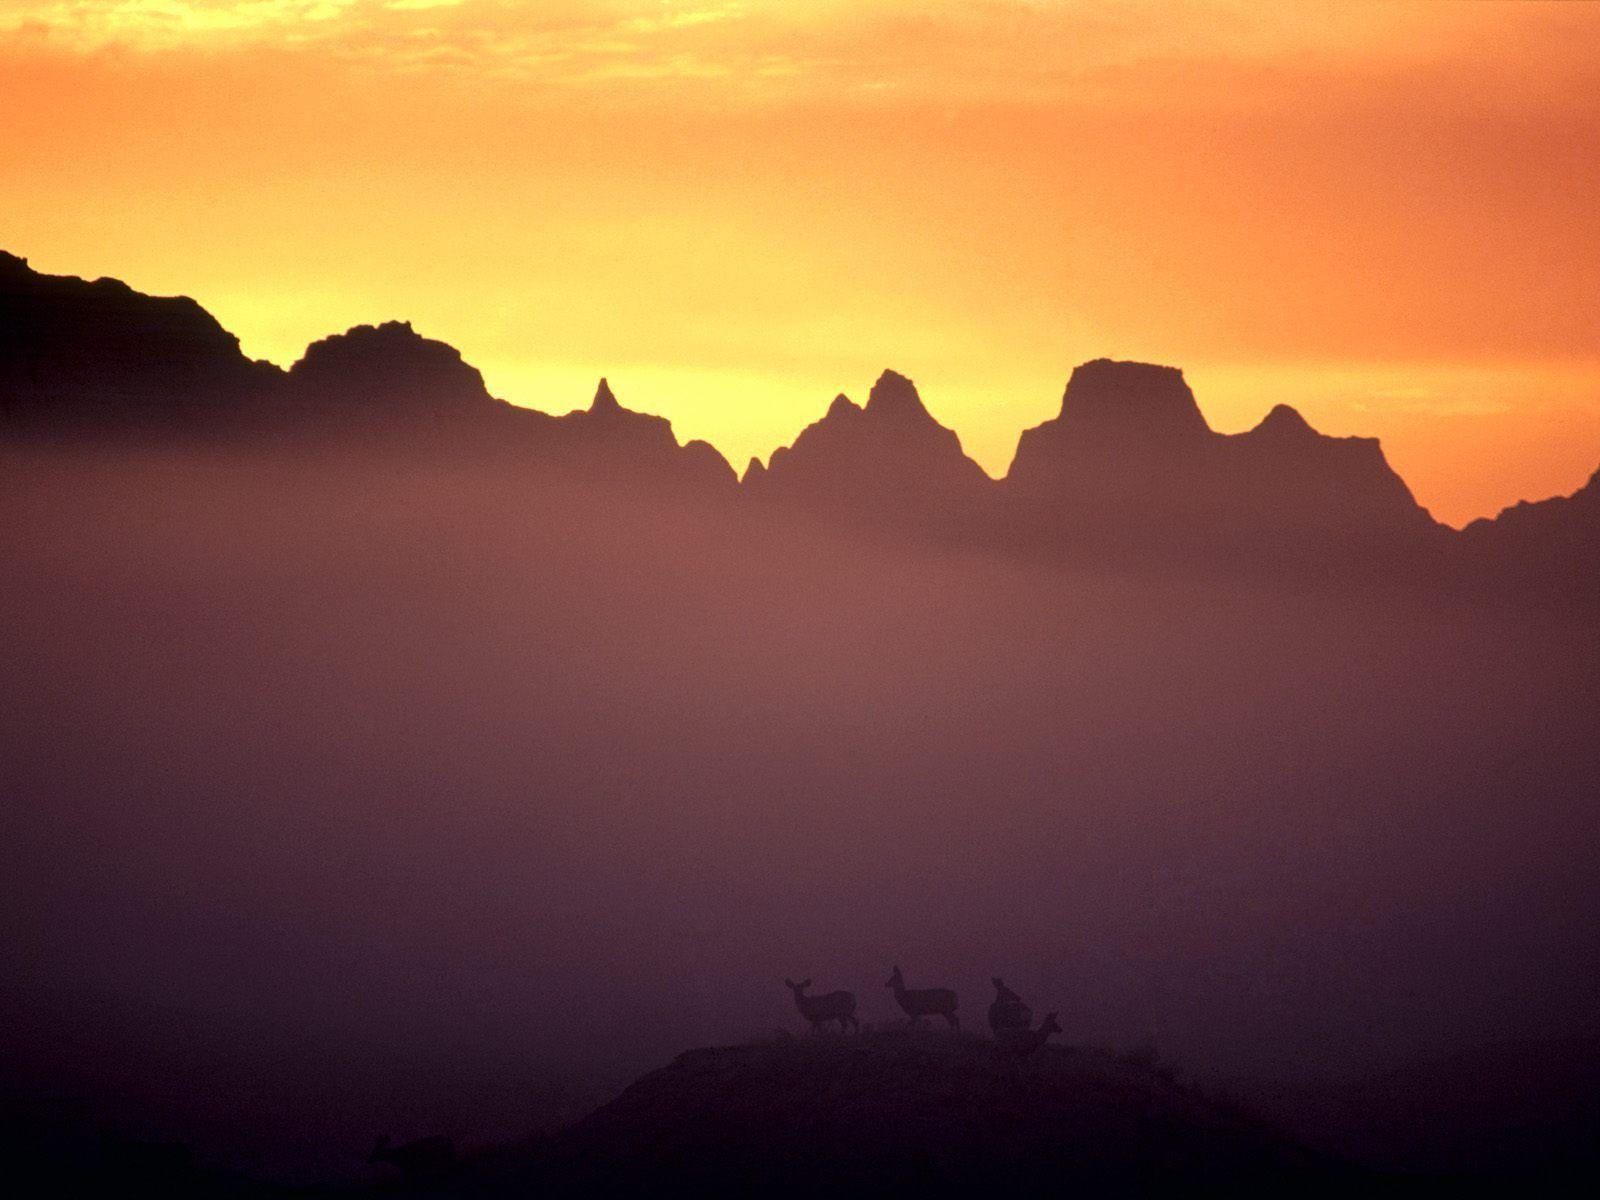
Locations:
{"points": [[1008, 1010], [924, 1002], [819, 1010]]}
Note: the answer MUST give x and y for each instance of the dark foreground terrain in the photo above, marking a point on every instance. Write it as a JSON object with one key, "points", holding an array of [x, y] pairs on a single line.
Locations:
{"points": [[885, 1110], [933, 1113]]}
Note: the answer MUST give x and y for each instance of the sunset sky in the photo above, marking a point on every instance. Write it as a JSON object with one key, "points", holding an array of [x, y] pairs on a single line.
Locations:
{"points": [[1387, 215]]}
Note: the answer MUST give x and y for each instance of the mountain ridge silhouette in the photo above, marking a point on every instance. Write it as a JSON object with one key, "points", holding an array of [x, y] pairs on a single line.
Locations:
{"points": [[1129, 468]]}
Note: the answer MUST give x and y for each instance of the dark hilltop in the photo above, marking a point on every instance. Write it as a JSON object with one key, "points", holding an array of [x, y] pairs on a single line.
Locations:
{"points": [[927, 1113]]}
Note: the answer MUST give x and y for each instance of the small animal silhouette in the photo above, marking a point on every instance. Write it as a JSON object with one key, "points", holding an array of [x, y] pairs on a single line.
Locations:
{"points": [[819, 1010], [429, 1158], [1008, 1010], [924, 1002], [1025, 1041]]}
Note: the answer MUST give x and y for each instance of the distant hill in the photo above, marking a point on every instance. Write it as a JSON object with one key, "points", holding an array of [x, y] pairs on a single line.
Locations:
{"points": [[80, 359], [75, 354], [927, 1112], [1130, 464], [387, 373], [1548, 547], [887, 463]]}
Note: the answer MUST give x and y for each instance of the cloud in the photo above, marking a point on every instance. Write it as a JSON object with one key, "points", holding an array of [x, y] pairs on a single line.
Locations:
{"points": [[682, 20], [946, 51], [88, 25]]}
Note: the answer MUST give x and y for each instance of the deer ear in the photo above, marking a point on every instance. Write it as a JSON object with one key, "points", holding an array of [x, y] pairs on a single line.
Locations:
{"points": [[788, 983]]}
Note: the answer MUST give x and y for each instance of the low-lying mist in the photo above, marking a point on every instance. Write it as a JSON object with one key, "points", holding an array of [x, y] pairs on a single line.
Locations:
{"points": [[347, 797]]}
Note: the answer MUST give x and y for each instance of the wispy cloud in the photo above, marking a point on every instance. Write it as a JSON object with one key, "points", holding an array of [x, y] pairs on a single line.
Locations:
{"points": [[946, 49], [560, 41], [168, 24], [682, 20]]}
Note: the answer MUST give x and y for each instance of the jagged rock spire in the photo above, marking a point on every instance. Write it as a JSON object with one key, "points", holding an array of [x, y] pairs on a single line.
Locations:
{"points": [[604, 400]]}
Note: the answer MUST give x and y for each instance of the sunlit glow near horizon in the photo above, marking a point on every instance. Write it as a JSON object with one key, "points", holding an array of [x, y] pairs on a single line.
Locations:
{"points": [[1380, 213]]}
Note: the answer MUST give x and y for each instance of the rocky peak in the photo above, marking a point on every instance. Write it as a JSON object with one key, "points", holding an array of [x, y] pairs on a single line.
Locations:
{"points": [[623, 443], [72, 350], [390, 365], [894, 397], [1286, 423], [842, 408], [605, 400], [608, 417], [887, 462], [1131, 403]]}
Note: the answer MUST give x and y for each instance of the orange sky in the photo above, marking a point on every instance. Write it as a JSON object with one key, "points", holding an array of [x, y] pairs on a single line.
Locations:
{"points": [[1383, 214]]}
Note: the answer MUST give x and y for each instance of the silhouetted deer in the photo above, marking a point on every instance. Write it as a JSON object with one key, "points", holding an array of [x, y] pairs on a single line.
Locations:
{"points": [[1008, 1010], [819, 1010], [924, 1002], [1025, 1040], [429, 1158]]}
